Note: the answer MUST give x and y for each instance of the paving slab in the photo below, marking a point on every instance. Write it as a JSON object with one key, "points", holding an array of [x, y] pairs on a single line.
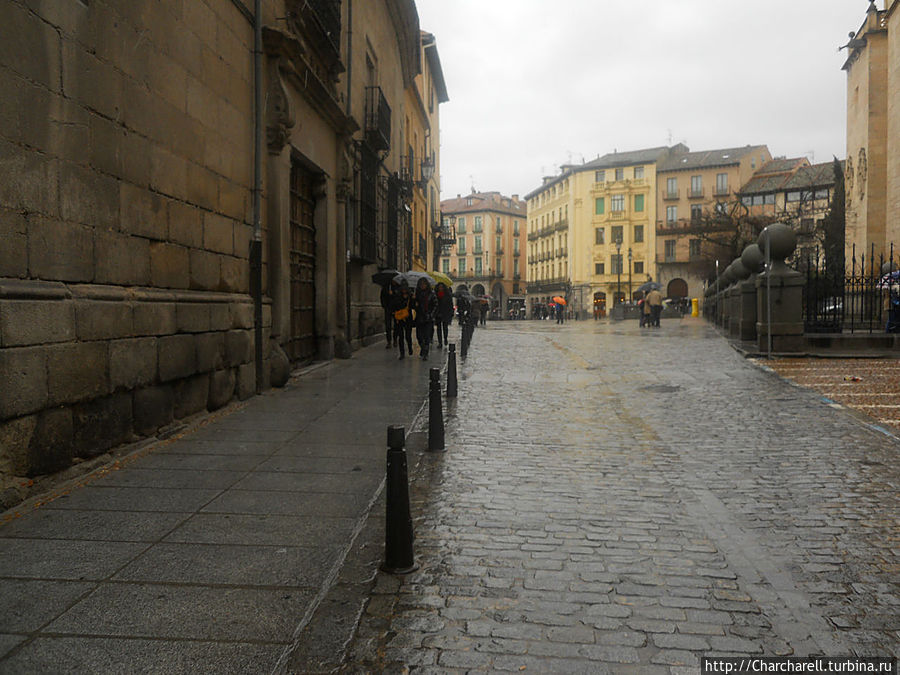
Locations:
{"points": [[207, 551], [128, 655]]}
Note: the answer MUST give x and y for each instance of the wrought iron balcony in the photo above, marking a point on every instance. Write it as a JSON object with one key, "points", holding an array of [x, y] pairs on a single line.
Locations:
{"points": [[378, 119]]}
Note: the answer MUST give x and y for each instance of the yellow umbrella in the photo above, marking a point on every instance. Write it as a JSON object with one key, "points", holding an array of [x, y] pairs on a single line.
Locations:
{"points": [[441, 278]]}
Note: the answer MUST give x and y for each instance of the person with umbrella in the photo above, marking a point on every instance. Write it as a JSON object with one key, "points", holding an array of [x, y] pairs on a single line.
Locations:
{"points": [[425, 306], [388, 290], [654, 300], [444, 312], [402, 314]]}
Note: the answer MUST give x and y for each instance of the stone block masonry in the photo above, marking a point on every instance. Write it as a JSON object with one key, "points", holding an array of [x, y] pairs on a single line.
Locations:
{"points": [[124, 195], [87, 367]]}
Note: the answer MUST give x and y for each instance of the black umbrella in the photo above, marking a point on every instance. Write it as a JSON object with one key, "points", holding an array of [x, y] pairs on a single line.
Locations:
{"points": [[384, 276], [649, 286], [412, 277]]}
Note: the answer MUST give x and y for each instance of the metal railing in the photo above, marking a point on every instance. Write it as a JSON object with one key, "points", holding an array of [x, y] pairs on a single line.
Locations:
{"points": [[378, 119], [860, 297]]}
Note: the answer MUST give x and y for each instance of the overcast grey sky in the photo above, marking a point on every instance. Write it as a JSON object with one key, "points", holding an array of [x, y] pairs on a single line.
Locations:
{"points": [[537, 83]]}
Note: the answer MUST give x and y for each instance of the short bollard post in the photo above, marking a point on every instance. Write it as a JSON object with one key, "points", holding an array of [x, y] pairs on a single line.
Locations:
{"points": [[435, 413], [398, 528], [451, 372], [464, 344]]}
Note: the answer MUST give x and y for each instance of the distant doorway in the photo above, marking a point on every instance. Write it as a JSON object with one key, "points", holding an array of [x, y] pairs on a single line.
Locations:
{"points": [[677, 288]]}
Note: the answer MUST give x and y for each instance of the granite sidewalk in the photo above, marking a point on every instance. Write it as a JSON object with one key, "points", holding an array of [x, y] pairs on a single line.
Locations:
{"points": [[207, 552]]}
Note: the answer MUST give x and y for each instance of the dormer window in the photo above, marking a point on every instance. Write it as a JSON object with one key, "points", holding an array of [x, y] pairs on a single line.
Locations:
{"points": [[469, 201]]}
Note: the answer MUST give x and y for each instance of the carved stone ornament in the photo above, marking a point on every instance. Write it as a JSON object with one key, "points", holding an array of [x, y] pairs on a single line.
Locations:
{"points": [[279, 113], [862, 170], [848, 180]]}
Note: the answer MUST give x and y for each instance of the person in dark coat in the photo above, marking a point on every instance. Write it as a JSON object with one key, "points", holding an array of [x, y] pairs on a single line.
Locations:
{"points": [[387, 304], [403, 300], [425, 306], [463, 307], [444, 313]]}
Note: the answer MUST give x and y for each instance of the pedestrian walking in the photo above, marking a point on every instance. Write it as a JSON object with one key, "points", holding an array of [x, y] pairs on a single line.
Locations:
{"points": [[444, 313], [484, 312], [402, 314], [560, 314], [463, 308], [654, 300], [387, 302], [425, 307]]}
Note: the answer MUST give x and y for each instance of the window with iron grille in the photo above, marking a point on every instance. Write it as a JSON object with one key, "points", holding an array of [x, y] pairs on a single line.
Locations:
{"points": [[615, 264], [694, 248], [638, 234], [670, 250]]}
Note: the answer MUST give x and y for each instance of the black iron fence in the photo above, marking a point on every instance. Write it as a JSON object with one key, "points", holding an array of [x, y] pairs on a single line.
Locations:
{"points": [[855, 296]]}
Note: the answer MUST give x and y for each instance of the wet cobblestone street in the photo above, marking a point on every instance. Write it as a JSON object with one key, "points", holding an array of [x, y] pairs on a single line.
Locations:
{"points": [[613, 500]]}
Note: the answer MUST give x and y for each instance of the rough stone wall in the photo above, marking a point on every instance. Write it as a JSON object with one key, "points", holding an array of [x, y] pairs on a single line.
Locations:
{"points": [[893, 131], [125, 174]]}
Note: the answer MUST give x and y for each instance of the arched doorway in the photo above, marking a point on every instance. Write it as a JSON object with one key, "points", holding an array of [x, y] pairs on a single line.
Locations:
{"points": [[677, 288], [478, 289], [599, 305]]}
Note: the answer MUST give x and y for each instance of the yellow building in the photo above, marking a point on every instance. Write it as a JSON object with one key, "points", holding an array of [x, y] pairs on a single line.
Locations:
{"points": [[487, 251], [872, 171], [590, 231], [421, 155], [692, 188]]}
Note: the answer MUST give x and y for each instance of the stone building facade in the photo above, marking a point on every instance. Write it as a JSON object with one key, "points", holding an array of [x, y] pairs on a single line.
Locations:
{"points": [[134, 205], [488, 248], [692, 188], [872, 172], [575, 220]]}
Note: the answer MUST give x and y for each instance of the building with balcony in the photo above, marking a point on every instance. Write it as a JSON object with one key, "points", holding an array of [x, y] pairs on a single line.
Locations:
{"points": [[692, 189], [210, 239], [488, 250], [794, 192], [418, 173], [577, 218], [872, 171]]}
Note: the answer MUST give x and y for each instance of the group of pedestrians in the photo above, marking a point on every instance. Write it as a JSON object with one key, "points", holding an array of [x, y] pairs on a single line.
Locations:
{"points": [[424, 308], [651, 307]]}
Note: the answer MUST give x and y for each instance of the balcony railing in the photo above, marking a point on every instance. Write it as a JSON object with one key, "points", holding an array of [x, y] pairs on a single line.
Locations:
{"points": [[695, 193], [672, 195], [617, 215], [328, 14], [378, 119], [720, 191]]}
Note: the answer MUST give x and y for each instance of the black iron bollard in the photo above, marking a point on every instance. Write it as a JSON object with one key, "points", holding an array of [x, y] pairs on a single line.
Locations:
{"points": [[451, 372], [398, 529], [463, 344], [435, 413]]}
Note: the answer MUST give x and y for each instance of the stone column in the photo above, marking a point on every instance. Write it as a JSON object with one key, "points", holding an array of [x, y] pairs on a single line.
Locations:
{"points": [[734, 298], [752, 260], [782, 313]]}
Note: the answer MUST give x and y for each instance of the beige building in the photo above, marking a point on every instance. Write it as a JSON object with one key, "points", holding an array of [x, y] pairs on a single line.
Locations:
{"points": [[422, 155], [872, 172], [488, 248], [159, 260], [576, 219], [795, 192], [692, 189]]}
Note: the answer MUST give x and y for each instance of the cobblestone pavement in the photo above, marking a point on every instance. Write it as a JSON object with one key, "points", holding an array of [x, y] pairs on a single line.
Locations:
{"points": [[621, 501], [871, 386]]}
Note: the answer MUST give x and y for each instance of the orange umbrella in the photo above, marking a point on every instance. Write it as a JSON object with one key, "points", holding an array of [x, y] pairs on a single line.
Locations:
{"points": [[559, 300]]}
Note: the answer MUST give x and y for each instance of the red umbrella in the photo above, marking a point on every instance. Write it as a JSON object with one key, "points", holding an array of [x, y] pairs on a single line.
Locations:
{"points": [[559, 300]]}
